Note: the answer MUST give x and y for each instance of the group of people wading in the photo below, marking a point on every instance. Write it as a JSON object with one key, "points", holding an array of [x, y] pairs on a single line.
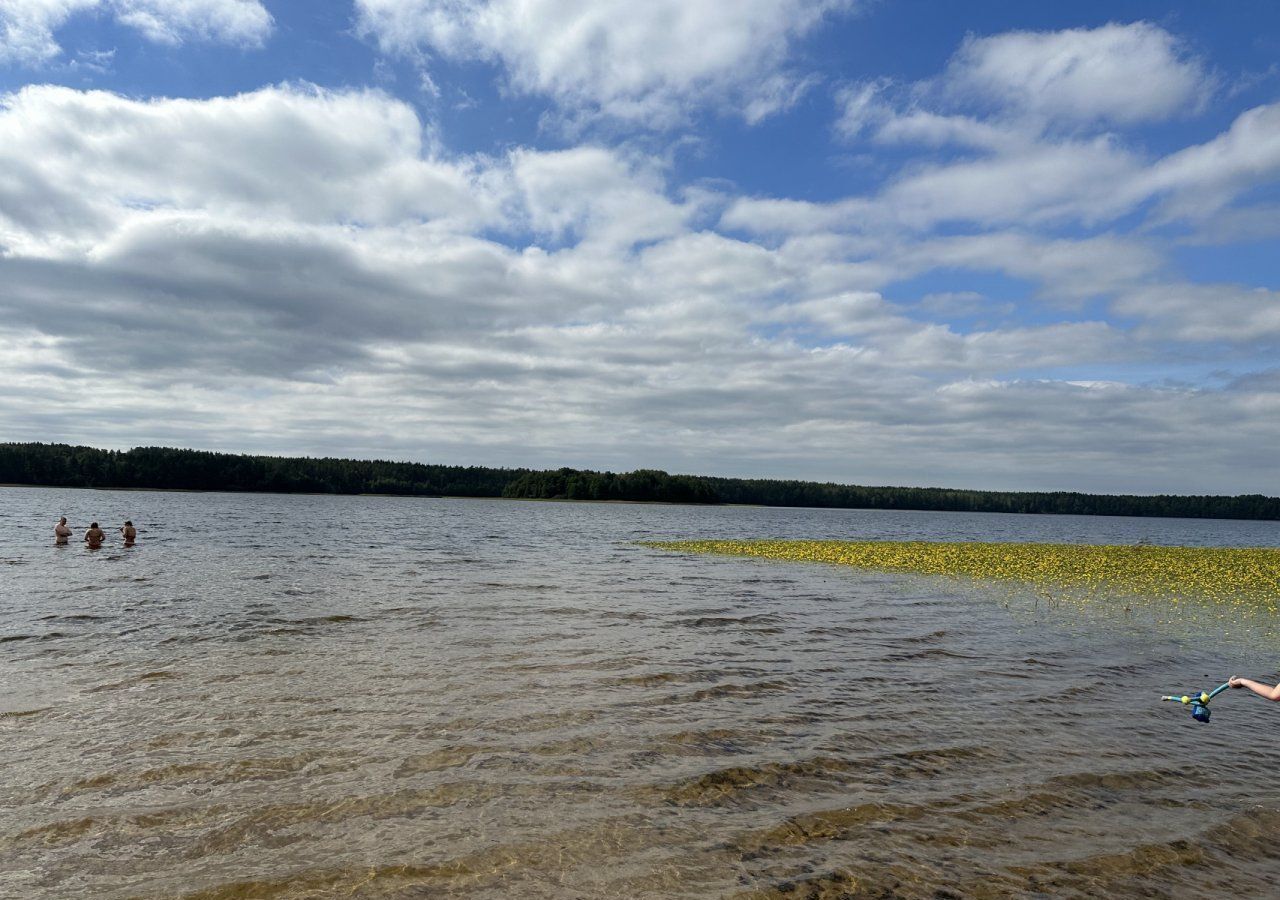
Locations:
{"points": [[95, 535]]}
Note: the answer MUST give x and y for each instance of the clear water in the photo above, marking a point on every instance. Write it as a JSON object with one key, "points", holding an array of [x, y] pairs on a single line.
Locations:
{"points": [[298, 696]]}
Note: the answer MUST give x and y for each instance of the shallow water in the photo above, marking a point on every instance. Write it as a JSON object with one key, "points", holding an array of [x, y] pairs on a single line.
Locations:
{"points": [[289, 696]]}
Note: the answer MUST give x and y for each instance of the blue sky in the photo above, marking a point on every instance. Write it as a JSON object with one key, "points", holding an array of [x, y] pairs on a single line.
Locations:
{"points": [[1001, 245]]}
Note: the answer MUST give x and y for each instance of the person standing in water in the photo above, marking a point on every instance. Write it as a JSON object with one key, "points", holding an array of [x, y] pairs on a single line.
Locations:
{"points": [[61, 531], [1262, 690], [130, 533], [94, 537]]}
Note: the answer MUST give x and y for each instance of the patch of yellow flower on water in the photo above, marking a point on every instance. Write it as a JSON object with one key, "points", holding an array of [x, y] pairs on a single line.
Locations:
{"points": [[1216, 574]]}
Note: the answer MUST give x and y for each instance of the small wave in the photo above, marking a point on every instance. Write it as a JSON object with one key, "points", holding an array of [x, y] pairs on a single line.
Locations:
{"points": [[437, 760], [298, 626], [841, 823], [656, 679], [930, 762], [750, 689], [233, 771], [841, 631], [144, 678], [625, 616], [932, 653], [708, 742], [931, 638], [729, 784], [730, 621], [1074, 692], [24, 713], [500, 869]]}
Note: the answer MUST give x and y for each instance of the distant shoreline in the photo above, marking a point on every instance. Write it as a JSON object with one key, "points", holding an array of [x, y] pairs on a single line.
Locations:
{"points": [[176, 469], [154, 490]]}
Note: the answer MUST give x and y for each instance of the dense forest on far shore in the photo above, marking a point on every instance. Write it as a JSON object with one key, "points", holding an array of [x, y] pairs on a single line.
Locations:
{"points": [[61, 465]]}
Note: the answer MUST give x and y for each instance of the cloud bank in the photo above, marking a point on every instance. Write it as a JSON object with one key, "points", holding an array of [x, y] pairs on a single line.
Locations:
{"points": [[295, 269]]}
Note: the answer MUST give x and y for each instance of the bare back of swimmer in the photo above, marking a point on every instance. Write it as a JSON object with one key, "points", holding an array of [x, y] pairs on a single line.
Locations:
{"points": [[94, 536]]}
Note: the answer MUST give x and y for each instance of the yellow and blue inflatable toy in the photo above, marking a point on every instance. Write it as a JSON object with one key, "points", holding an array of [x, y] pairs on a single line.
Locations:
{"points": [[1199, 703]]}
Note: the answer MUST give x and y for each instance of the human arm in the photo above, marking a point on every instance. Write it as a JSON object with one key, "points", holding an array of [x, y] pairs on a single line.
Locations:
{"points": [[1262, 690]]}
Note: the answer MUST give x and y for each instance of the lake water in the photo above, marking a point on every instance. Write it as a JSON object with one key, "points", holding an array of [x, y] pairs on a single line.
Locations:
{"points": [[300, 696]]}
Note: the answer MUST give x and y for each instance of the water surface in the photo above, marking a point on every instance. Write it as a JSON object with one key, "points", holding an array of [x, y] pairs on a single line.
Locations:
{"points": [[297, 696]]}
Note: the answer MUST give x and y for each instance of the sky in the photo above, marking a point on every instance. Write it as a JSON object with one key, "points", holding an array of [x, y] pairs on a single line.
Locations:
{"points": [[999, 245]]}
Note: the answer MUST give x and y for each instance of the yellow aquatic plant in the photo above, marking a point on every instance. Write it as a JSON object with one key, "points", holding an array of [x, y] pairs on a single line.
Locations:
{"points": [[1218, 574]]}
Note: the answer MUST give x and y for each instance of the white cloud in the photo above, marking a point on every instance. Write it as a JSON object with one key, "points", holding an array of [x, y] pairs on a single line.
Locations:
{"points": [[1205, 313], [1204, 178], [243, 22], [72, 162], [1116, 73], [1077, 181], [1063, 268], [644, 62], [1021, 178], [1025, 123], [931, 129], [27, 26], [862, 107], [592, 193], [1090, 182], [1007, 92]]}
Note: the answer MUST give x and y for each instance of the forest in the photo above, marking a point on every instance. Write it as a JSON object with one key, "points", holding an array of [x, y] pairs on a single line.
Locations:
{"points": [[62, 465]]}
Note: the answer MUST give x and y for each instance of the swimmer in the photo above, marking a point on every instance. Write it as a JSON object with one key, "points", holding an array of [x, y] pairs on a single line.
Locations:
{"points": [[130, 533], [1270, 693], [94, 537], [61, 531]]}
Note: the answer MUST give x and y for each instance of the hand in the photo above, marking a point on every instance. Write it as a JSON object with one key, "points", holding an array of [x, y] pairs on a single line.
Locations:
{"points": [[1235, 681]]}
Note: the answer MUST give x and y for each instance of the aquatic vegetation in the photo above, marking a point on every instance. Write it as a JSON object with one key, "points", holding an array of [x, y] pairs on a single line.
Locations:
{"points": [[1222, 575]]}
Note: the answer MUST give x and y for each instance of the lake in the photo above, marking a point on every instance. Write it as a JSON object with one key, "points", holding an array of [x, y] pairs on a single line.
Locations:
{"points": [[316, 696]]}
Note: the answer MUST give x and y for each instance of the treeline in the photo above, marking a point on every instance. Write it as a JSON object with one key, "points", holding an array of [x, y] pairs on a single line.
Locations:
{"points": [[61, 465], [845, 496], [642, 484]]}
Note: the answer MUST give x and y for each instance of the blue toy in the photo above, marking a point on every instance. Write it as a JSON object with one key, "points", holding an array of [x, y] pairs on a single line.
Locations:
{"points": [[1199, 703]]}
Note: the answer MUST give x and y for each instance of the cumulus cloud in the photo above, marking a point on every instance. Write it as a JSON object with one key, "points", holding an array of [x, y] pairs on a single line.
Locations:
{"points": [[642, 62], [1206, 312], [1204, 178], [1118, 73], [27, 26], [591, 192], [293, 153], [1020, 129], [1009, 92], [244, 22]]}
